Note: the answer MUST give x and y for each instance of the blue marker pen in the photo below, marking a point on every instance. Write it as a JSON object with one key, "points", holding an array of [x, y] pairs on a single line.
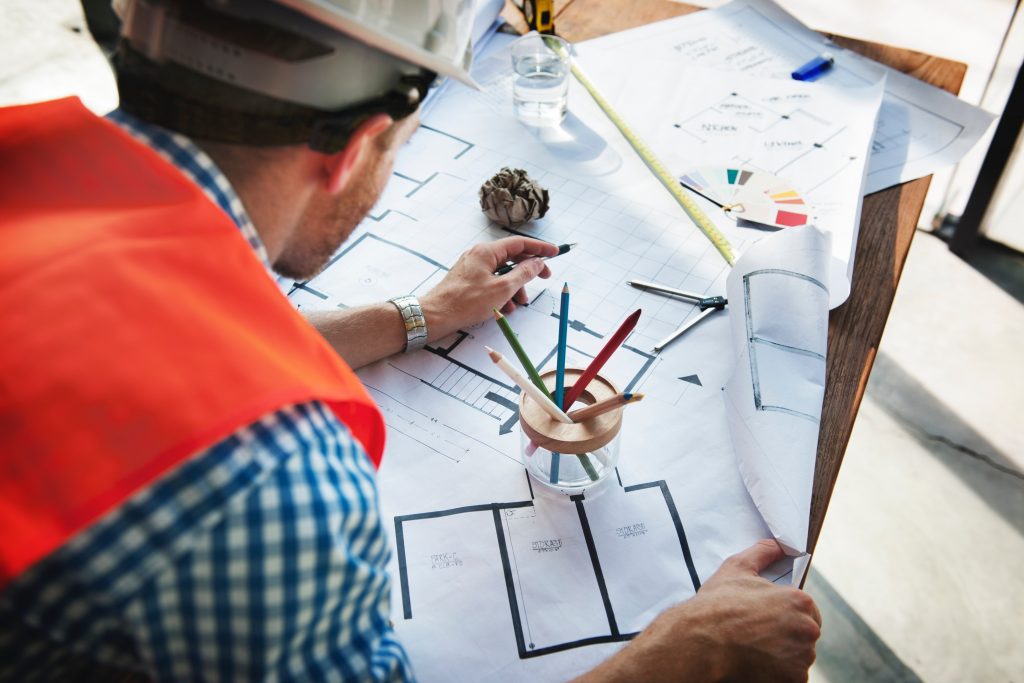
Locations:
{"points": [[814, 68]]}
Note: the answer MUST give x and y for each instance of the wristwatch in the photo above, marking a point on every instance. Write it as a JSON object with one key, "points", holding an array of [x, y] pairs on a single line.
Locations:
{"points": [[415, 323]]}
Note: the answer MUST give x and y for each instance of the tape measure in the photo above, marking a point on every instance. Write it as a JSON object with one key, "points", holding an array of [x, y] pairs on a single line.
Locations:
{"points": [[693, 211], [539, 15]]}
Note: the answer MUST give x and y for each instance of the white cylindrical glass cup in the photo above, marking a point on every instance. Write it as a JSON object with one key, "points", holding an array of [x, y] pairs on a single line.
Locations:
{"points": [[540, 90], [571, 458]]}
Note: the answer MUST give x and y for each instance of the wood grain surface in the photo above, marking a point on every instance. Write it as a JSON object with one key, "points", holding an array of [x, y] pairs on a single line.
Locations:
{"points": [[888, 221], [578, 437]]}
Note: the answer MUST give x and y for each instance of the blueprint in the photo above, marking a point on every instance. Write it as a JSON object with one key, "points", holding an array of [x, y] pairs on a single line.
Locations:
{"points": [[814, 135], [494, 578], [920, 128]]}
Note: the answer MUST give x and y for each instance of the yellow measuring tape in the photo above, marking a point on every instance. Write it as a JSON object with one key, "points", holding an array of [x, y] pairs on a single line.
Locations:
{"points": [[695, 213]]}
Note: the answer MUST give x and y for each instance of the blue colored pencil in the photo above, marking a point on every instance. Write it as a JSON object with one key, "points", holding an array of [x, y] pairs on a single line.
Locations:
{"points": [[563, 342]]}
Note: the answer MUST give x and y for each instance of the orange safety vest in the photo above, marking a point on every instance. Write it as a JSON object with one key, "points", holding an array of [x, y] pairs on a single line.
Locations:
{"points": [[137, 327]]}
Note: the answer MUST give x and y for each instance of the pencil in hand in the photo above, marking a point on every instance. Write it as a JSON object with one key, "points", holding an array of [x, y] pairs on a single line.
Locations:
{"points": [[510, 265]]}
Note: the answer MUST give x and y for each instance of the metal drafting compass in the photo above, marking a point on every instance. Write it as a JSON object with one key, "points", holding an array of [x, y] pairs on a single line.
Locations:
{"points": [[707, 304]]}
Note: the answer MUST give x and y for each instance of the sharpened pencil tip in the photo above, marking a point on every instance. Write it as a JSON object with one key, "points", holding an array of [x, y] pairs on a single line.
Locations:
{"points": [[497, 313], [565, 288], [495, 356], [636, 397]]}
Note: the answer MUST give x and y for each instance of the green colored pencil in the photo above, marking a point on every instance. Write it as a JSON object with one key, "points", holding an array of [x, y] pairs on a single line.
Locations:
{"points": [[520, 352], [534, 376]]}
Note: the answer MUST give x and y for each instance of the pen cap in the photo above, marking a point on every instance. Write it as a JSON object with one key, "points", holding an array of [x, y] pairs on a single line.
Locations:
{"points": [[583, 437]]}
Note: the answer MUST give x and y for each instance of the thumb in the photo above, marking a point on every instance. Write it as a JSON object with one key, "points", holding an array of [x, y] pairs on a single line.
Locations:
{"points": [[755, 558], [523, 273]]}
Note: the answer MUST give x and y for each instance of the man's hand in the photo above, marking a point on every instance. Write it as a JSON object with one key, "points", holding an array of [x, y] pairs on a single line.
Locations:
{"points": [[470, 290], [739, 627], [464, 297]]}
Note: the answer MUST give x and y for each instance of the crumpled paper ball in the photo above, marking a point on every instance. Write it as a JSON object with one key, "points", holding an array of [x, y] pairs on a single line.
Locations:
{"points": [[512, 198]]}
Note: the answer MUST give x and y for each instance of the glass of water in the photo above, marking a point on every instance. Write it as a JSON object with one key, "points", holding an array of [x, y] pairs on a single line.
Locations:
{"points": [[541, 87]]}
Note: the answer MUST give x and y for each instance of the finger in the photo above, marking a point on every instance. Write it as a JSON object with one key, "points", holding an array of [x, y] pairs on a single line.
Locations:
{"points": [[523, 273], [756, 558], [520, 297], [508, 307], [508, 248], [545, 272]]}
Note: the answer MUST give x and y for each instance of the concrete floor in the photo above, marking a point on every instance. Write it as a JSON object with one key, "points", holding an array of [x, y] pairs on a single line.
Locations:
{"points": [[918, 571]]}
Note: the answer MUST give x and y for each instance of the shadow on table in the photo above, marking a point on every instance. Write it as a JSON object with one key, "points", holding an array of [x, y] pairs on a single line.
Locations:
{"points": [[577, 144]]}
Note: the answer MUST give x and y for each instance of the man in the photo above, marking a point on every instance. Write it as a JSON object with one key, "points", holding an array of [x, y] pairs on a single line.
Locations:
{"points": [[186, 468]]}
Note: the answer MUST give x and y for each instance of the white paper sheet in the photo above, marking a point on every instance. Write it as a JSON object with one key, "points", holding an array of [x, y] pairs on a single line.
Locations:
{"points": [[778, 294], [920, 128], [815, 136]]}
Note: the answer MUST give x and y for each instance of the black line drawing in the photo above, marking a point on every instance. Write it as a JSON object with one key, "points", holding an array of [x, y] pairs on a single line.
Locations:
{"points": [[467, 144], [780, 351], [533, 632], [888, 141]]}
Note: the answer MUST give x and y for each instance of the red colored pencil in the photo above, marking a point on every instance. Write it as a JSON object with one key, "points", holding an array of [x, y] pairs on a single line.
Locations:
{"points": [[600, 359]]}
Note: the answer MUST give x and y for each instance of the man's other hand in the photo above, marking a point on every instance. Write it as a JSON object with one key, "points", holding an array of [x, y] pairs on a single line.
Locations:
{"points": [[739, 627], [470, 290]]}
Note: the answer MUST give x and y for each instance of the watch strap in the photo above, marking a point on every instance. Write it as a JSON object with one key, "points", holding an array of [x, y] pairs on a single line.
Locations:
{"points": [[415, 323]]}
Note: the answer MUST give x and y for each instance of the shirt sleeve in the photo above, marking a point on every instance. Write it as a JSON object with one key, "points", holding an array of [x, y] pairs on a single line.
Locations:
{"points": [[291, 583]]}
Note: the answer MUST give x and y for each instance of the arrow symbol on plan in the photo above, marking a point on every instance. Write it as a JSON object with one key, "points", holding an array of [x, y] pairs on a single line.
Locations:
{"points": [[692, 379], [506, 427]]}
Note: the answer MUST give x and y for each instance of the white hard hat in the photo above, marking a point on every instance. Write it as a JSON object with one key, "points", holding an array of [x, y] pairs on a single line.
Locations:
{"points": [[358, 49]]}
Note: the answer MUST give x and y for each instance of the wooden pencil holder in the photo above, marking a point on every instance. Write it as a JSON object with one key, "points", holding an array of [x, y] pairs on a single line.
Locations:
{"points": [[570, 458]]}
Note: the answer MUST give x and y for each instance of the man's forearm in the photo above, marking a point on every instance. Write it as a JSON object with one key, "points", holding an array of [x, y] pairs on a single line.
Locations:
{"points": [[363, 334], [465, 296]]}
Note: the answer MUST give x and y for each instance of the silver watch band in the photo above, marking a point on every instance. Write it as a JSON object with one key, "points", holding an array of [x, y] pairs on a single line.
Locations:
{"points": [[415, 323]]}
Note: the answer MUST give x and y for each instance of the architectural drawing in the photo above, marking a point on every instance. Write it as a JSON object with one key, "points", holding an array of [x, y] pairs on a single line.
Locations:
{"points": [[453, 475], [773, 356], [777, 134], [547, 556], [919, 128]]}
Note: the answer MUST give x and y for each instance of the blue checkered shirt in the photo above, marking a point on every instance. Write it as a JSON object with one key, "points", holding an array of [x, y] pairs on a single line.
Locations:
{"points": [[263, 557]]}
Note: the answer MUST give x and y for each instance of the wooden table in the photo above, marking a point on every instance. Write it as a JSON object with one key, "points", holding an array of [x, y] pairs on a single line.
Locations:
{"points": [[888, 221]]}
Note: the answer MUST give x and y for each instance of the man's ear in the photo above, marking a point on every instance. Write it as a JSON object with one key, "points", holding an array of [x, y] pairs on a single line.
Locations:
{"points": [[339, 167]]}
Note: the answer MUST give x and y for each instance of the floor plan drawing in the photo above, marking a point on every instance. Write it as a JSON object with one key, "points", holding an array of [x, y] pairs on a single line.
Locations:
{"points": [[758, 38], [518, 583], [815, 139], [373, 267], [546, 560]]}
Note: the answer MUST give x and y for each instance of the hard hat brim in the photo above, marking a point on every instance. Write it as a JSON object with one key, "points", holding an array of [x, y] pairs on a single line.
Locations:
{"points": [[337, 18]]}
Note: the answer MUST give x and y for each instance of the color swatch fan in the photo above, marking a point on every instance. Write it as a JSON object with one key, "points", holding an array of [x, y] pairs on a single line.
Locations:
{"points": [[754, 196]]}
